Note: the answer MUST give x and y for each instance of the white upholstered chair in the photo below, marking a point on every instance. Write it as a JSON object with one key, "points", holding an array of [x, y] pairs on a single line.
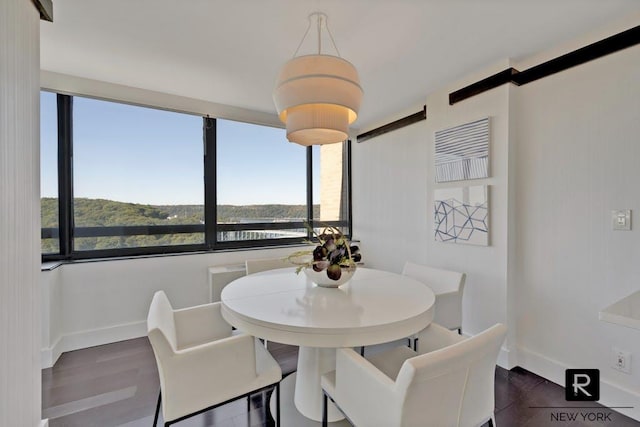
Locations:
{"points": [[448, 383], [448, 286], [201, 364], [258, 265]]}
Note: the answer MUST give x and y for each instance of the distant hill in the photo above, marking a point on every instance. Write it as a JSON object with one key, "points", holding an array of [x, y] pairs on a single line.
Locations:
{"points": [[231, 213], [101, 212]]}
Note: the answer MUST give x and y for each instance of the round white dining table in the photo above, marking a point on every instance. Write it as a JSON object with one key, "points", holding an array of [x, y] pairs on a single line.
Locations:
{"points": [[374, 307]]}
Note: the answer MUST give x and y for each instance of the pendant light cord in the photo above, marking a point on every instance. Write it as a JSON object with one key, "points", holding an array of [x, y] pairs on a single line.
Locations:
{"points": [[326, 25], [319, 34], [319, 18], [303, 37]]}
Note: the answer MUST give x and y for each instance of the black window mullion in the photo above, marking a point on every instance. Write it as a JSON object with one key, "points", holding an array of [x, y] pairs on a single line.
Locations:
{"points": [[349, 198], [210, 198], [65, 174], [310, 218]]}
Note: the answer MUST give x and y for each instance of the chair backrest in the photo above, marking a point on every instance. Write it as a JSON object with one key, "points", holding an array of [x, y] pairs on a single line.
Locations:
{"points": [[447, 285], [439, 280], [161, 327], [453, 386], [258, 265]]}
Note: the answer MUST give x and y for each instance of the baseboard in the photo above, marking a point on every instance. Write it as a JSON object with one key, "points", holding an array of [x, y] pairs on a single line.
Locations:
{"points": [[92, 338], [44, 423], [507, 358], [49, 356], [611, 395]]}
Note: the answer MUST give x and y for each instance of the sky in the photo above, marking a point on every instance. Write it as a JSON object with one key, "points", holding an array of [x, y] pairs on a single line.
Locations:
{"points": [[143, 155]]}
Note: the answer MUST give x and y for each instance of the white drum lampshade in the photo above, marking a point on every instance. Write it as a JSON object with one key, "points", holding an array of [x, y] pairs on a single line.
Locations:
{"points": [[318, 97]]}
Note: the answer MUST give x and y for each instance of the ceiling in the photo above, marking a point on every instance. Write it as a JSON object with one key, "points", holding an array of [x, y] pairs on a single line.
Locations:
{"points": [[229, 52]]}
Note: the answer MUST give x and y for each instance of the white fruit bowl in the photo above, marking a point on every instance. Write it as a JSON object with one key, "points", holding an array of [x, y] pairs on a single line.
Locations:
{"points": [[320, 278]]}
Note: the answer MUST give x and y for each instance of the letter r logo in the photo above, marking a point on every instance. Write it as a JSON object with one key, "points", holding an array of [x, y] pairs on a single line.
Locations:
{"points": [[578, 385], [582, 384]]}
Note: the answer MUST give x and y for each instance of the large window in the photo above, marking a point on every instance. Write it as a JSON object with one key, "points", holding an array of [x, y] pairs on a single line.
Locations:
{"points": [[261, 183], [136, 180], [134, 169]]}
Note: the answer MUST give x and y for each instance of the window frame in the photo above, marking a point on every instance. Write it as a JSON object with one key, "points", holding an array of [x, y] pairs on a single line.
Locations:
{"points": [[67, 230]]}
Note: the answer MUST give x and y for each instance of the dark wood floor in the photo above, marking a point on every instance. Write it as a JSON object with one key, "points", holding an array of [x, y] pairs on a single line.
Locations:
{"points": [[117, 385]]}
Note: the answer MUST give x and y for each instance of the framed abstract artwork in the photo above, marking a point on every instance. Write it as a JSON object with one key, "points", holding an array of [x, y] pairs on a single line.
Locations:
{"points": [[461, 215], [462, 152]]}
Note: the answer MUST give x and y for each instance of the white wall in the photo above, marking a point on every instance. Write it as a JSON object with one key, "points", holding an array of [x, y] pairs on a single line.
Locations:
{"points": [[51, 329], [577, 159], [73, 85], [19, 214], [564, 152], [93, 303], [393, 184]]}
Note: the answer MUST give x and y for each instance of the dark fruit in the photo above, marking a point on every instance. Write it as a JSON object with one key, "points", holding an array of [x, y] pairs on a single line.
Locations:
{"points": [[334, 272], [330, 245], [319, 253], [336, 255], [320, 265]]}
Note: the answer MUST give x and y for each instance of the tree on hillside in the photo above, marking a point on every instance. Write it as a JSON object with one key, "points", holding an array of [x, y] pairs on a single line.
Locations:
{"points": [[106, 213]]}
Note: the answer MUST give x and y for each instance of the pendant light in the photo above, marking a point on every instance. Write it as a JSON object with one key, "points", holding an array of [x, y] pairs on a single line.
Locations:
{"points": [[317, 96]]}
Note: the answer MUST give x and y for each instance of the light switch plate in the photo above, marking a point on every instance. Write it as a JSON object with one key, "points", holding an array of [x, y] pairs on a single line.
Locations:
{"points": [[621, 220]]}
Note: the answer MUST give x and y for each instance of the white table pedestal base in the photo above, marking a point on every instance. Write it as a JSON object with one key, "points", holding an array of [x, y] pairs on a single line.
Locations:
{"points": [[289, 415], [314, 362]]}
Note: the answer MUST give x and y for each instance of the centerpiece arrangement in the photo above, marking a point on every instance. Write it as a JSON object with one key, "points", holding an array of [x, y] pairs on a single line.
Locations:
{"points": [[332, 261]]}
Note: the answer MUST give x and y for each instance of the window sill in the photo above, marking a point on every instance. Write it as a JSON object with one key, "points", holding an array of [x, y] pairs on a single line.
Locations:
{"points": [[52, 265]]}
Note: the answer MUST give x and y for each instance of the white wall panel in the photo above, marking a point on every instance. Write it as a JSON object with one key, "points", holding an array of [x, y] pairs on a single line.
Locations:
{"points": [[564, 153], [394, 181], [19, 214], [577, 159]]}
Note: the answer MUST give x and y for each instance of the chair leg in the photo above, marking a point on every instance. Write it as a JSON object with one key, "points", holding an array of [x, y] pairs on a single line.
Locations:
{"points": [[265, 404], [459, 331], [155, 418], [248, 404], [415, 344], [325, 410], [278, 405], [362, 351]]}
